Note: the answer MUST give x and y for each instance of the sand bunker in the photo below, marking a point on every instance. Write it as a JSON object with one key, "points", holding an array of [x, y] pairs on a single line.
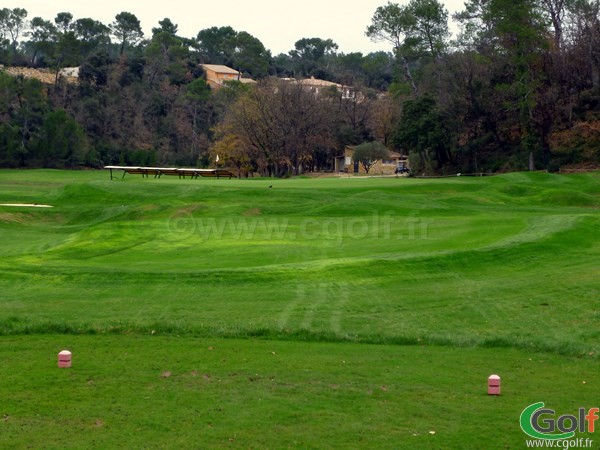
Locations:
{"points": [[27, 205]]}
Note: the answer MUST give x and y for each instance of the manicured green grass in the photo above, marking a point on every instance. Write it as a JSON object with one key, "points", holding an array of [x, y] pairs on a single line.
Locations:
{"points": [[175, 392], [461, 277]]}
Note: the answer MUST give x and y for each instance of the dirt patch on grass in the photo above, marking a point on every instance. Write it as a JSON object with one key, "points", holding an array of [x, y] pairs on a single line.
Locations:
{"points": [[150, 207], [13, 218], [188, 210], [252, 212], [146, 212]]}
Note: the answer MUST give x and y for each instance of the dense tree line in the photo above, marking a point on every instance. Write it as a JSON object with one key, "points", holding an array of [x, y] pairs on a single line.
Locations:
{"points": [[518, 88]]}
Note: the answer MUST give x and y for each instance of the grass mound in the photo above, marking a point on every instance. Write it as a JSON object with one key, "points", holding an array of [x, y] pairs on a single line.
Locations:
{"points": [[501, 259]]}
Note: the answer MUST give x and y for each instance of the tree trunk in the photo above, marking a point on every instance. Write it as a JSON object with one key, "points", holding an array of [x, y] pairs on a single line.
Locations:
{"points": [[33, 58], [409, 77], [531, 162]]}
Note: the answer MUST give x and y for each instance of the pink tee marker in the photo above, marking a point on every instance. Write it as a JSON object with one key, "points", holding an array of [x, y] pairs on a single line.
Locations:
{"points": [[494, 385], [64, 359]]}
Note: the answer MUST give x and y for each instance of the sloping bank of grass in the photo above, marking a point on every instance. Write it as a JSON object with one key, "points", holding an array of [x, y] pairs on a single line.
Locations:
{"points": [[561, 346], [540, 295]]}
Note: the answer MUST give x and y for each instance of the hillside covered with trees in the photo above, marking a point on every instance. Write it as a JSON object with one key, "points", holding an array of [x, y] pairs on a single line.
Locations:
{"points": [[517, 88]]}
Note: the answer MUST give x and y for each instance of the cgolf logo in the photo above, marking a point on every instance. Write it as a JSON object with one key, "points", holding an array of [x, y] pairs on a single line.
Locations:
{"points": [[540, 423]]}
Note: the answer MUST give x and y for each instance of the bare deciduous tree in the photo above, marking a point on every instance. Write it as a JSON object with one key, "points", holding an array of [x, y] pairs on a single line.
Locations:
{"points": [[281, 124]]}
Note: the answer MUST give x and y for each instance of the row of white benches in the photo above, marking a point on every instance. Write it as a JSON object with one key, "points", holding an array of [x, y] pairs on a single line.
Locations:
{"points": [[157, 172]]}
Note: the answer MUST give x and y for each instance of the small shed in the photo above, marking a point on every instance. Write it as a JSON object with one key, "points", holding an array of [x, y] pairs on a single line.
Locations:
{"points": [[345, 163]]}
